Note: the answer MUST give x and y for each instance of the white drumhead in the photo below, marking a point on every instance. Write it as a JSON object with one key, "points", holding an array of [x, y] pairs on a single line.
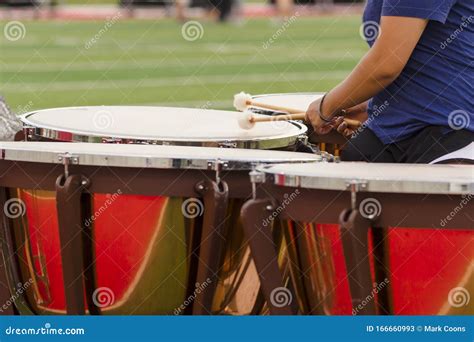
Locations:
{"points": [[291, 100], [147, 156], [156, 123], [398, 178]]}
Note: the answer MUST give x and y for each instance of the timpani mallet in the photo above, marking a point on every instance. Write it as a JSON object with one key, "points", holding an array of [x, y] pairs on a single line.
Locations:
{"points": [[248, 120], [243, 100]]}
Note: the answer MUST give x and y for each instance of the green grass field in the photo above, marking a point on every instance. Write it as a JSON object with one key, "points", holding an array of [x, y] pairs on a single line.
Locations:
{"points": [[149, 62]]}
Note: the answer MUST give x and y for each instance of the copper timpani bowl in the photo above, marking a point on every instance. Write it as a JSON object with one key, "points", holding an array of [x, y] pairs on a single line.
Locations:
{"points": [[129, 229], [365, 238]]}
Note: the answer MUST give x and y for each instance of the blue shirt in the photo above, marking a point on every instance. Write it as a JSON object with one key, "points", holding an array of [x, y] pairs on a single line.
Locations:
{"points": [[436, 87]]}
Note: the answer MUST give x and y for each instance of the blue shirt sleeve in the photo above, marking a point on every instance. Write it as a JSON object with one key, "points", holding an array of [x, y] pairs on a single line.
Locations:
{"points": [[437, 10]]}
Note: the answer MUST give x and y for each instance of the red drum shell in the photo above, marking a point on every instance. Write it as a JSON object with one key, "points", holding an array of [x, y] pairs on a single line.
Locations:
{"points": [[143, 252], [422, 267]]}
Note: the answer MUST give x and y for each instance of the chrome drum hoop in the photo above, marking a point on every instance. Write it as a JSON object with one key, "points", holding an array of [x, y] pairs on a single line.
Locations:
{"points": [[46, 129], [42, 134]]}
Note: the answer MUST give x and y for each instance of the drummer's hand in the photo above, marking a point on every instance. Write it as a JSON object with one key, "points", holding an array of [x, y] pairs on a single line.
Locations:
{"points": [[343, 128], [312, 116], [358, 113]]}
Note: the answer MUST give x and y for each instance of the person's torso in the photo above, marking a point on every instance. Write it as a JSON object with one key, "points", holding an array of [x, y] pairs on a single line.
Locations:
{"points": [[436, 87]]}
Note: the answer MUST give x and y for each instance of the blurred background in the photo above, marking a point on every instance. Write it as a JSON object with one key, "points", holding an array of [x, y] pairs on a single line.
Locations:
{"points": [[192, 53]]}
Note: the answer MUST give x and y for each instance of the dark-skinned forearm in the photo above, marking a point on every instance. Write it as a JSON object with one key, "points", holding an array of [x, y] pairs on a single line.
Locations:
{"points": [[368, 78]]}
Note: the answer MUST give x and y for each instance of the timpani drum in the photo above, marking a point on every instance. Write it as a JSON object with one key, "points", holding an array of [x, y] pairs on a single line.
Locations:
{"points": [[129, 229], [330, 143], [288, 100], [159, 126], [419, 216]]}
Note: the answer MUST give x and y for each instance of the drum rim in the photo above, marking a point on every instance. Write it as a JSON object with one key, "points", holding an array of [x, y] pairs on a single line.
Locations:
{"points": [[13, 151], [51, 133], [380, 185]]}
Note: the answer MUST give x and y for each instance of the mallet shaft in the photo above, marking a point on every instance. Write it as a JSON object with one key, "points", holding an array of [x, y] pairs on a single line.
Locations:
{"points": [[298, 116], [283, 117], [272, 107]]}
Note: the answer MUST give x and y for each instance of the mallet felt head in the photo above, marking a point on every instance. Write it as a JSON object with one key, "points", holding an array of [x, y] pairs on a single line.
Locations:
{"points": [[241, 101], [245, 120]]}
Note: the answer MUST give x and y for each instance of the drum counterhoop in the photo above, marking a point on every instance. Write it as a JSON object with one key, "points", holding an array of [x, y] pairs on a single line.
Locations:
{"points": [[373, 177], [157, 126]]}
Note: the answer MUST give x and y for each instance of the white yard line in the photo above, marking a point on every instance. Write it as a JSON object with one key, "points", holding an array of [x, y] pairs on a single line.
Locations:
{"points": [[175, 81], [189, 62], [214, 104], [165, 47]]}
